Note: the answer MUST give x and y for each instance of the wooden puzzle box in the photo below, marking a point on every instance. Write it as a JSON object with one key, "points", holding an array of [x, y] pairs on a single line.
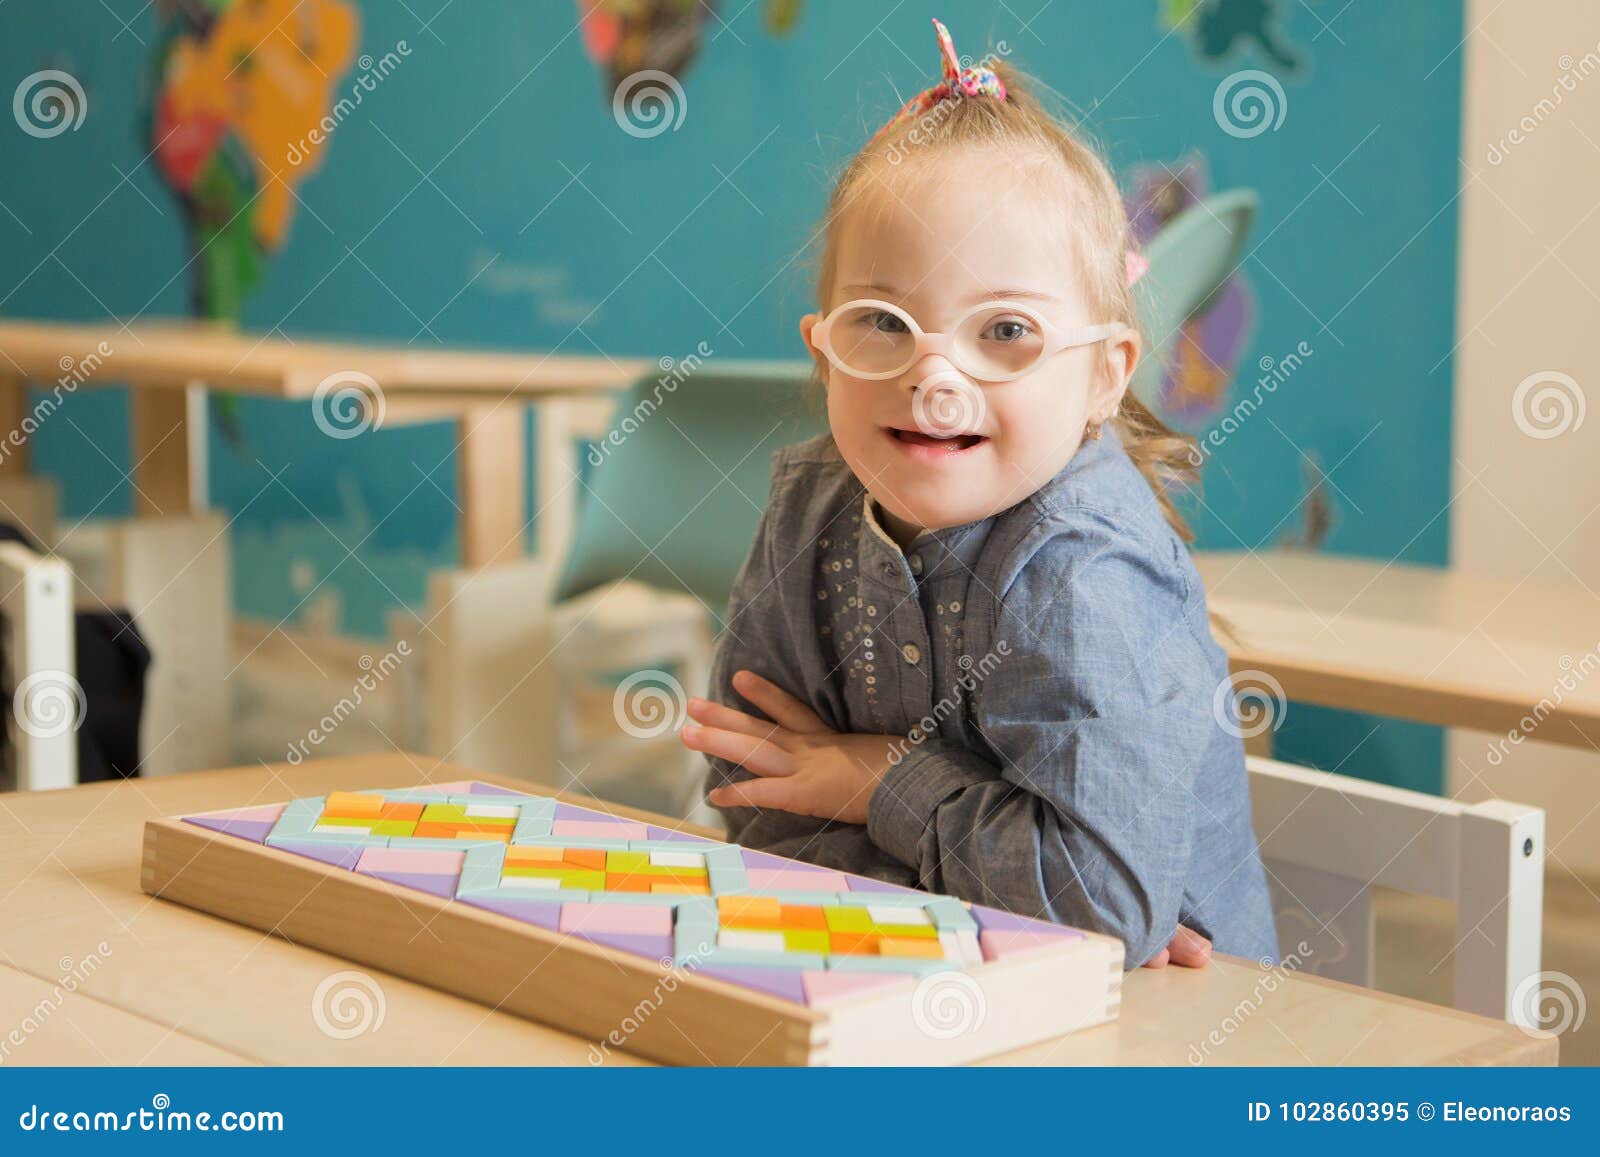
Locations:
{"points": [[637, 937]]}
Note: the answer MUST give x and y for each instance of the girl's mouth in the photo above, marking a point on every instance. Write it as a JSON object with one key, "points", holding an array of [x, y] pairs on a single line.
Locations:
{"points": [[919, 442]]}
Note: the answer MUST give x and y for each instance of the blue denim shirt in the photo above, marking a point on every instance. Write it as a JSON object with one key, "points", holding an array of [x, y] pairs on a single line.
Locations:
{"points": [[1067, 751]]}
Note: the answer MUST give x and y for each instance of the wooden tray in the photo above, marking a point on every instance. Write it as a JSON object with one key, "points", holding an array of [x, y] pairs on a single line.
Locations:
{"points": [[593, 960]]}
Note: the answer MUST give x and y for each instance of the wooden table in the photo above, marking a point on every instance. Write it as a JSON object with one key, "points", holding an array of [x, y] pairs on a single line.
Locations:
{"points": [[167, 365], [1421, 643], [178, 987]]}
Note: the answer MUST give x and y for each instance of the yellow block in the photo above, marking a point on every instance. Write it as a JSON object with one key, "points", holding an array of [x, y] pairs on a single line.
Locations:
{"points": [[533, 854], [732, 909], [353, 804], [893, 946]]}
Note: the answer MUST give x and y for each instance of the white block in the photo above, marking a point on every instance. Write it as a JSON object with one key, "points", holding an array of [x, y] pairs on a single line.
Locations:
{"points": [[495, 811], [546, 883], [753, 941], [884, 914], [677, 860]]}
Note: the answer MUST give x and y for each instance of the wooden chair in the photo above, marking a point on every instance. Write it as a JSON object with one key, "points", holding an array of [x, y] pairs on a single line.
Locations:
{"points": [[1327, 840]]}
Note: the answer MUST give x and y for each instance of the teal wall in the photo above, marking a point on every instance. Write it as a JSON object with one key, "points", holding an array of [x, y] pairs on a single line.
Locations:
{"points": [[650, 251]]}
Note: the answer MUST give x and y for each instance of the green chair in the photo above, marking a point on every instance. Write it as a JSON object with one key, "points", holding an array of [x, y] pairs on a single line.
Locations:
{"points": [[1190, 260], [677, 486]]}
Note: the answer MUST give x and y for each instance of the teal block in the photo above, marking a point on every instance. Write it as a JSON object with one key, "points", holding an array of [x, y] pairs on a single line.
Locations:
{"points": [[736, 957], [793, 897], [356, 841], [531, 828], [890, 899], [697, 911], [433, 844], [951, 915], [664, 900], [725, 857], [726, 882], [480, 871], [545, 895], [910, 966], [693, 944]]}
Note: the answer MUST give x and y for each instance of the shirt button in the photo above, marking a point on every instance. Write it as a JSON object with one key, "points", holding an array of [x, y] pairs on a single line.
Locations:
{"points": [[912, 653], [916, 563]]}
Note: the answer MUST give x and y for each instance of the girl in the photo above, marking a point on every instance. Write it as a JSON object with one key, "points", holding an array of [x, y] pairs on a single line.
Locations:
{"points": [[969, 651]]}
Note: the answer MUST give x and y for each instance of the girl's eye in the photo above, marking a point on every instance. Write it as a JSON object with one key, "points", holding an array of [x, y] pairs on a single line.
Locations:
{"points": [[885, 322], [1008, 329]]}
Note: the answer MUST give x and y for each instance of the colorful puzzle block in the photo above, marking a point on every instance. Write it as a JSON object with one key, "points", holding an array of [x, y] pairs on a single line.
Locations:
{"points": [[806, 934]]}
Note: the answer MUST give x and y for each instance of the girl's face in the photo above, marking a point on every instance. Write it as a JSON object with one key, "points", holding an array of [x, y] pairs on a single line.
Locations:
{"points": [[945, 239]]}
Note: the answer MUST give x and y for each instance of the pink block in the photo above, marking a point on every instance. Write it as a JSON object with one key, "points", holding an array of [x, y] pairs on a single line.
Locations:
{"points": [[827, 988], [999, 944], [634, 919], [265, 814], [607, 830], [796, 880], [423, 861]]}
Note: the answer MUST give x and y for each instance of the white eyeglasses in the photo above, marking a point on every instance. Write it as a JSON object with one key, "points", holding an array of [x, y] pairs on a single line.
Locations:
{"points": [[997, 341]]}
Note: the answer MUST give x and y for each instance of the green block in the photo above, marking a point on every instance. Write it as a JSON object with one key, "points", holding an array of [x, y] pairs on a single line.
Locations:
{"points": [[910, 965], [805, 940], [392, 827], [920, 931], [628, 863], [843, 919], [445, 813]]}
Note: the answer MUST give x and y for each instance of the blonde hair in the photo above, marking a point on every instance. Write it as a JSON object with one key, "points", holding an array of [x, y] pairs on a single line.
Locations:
{"points": [[1021, 122]]}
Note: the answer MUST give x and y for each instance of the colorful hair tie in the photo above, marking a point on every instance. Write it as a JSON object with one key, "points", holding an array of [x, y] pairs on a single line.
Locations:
{"points": [[957, 82]]}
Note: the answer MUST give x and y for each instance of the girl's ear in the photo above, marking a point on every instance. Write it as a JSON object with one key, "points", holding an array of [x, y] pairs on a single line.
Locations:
{"points": [[807, 324], [1122, 358]]}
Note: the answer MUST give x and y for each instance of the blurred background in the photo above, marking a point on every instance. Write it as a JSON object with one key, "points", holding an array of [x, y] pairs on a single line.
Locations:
{"points": [[1405, 328]]}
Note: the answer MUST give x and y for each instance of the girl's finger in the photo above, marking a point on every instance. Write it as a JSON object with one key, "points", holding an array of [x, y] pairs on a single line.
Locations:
{"points": [[1159, 960], [756, 793], [1189, 949], [748, 751], [778, 703], [730, 719]]}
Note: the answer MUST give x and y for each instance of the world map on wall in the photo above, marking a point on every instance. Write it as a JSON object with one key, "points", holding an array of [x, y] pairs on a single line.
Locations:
{"points": [[238, 92]]}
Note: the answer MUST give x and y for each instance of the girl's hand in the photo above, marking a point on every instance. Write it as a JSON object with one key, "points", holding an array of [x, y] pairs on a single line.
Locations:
{"points": [[800, 765], [1188, 949]]}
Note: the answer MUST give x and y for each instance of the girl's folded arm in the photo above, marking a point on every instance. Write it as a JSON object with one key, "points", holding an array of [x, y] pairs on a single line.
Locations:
{"points": [[1095, 711]]}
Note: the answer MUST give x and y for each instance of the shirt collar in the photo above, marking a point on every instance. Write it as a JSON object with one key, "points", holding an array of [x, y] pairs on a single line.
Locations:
{"points": [[933, 554]]}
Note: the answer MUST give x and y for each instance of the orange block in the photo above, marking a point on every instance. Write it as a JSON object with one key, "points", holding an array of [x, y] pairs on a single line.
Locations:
{"points": [[353, 805], [443, 831], [401, 811], [749, 911], [854, 943], [533, 854], [798, 916], [680, 887], [910, 946], [616, 883], [592, 859]]}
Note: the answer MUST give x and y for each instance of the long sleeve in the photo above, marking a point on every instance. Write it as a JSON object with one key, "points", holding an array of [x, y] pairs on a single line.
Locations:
{"points": [[1097, 712]]}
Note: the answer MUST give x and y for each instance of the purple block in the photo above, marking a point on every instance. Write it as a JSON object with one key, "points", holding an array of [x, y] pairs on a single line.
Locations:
{"points": [[783, 983], [657, 948], [754, 859], [656, 833], [868, 884], [253, 830], [540, 912], [431, 882], [994, 920], [339, 855], [491, 789], [567, 811]]}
